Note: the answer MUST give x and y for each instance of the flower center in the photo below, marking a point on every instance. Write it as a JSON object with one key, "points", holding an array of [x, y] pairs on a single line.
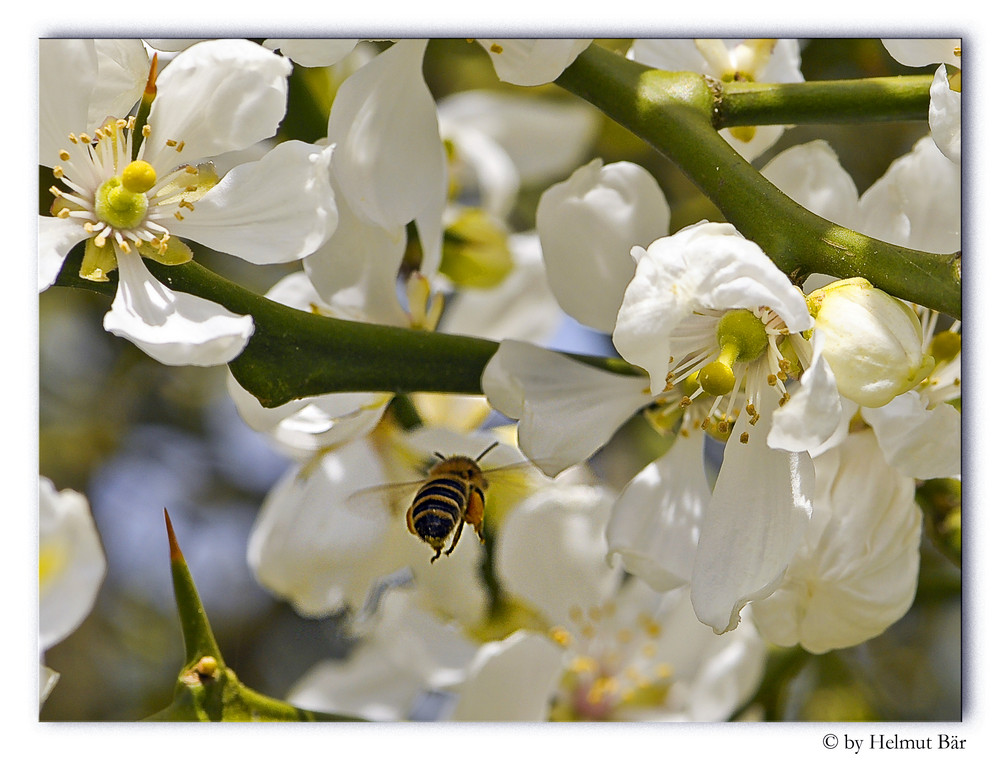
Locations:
{"points": [[742, 337], [613, 662], [120, 201]]}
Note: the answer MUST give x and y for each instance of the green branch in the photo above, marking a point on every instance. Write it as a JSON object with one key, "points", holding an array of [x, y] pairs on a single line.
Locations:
{"points": [[675, 112], [293, 353], [852, 101]]}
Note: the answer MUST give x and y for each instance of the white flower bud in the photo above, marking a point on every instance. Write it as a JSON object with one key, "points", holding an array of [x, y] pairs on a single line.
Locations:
{"points": [[873, 341]]}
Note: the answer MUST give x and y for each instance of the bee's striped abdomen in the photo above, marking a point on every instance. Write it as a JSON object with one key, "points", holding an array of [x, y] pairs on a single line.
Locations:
{"points": [[437, 508]]}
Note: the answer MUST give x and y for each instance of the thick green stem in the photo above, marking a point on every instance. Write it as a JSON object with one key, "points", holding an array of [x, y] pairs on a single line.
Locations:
{"points": [[293, 354], [674, 112]]}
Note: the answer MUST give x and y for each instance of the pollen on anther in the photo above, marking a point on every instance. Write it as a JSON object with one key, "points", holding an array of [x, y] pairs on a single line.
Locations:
{"points": [[561, 636], [64, 155], [146, 130], [744, 437], [178, 216]]}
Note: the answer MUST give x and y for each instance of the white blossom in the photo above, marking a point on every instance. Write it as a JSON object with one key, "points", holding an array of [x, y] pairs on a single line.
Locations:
{"points": [[212, 98]]}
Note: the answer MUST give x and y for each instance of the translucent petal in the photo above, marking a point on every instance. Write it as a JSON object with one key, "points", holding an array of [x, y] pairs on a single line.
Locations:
{"points": [[216, 96], [174, 328], [919, 442], [567, 409], [67, 74], [71, 562], [545, 139], [355, 271], [532, 62], [917, 202], [511, 680], [306, 52], [310, 547], [123, 68], [550, 550], [923, 52], [706, 265], [56, 237], [587, 226], [656, 521], [814, 411], [856, 573], [811, 175], [754, 524], [945, 116], [390, 162], [278, 209]]}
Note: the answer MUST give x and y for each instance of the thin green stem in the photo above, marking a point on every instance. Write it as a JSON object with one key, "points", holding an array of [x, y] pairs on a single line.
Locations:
{"points": [[674, 112], [854, 101]]}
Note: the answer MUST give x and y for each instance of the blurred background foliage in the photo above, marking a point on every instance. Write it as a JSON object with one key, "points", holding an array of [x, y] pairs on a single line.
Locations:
{"points": [[137, 437]]}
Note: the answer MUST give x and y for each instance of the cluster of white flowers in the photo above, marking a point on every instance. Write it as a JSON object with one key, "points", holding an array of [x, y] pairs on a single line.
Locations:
{"points": [[653, 601]]}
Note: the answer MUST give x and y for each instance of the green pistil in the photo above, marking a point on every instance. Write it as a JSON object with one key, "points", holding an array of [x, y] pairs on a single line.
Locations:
{"points": [[121, 201], [742, 338]]}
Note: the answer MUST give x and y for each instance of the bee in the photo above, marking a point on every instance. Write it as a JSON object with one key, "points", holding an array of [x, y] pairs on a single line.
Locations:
{"points": [[452, 494]]}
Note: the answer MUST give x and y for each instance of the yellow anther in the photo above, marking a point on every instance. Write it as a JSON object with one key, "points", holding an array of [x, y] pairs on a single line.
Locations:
{"points": [[663, 670], [744, 437], [64, 155], [561, 636], [583, 665], [63, 213]]}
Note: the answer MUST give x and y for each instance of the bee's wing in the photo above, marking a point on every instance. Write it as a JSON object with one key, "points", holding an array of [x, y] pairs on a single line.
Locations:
{"points": [[394, 498], [511, 484]]}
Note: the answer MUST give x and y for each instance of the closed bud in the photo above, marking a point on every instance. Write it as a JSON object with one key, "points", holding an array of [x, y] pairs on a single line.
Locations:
{"points": [[873, 341]]}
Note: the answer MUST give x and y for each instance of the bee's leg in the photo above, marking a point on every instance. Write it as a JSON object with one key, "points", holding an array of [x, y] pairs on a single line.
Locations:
{"points": [[454, 541], [438, 554], [474, 513]]}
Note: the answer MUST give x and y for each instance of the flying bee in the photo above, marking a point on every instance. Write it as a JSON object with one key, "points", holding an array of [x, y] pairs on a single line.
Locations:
{"points": [[452, 494]]}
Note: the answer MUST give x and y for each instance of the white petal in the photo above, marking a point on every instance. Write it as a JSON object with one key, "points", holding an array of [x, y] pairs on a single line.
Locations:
{"points": [[945, 116], [705, 265], [123, 68], [550, 550], [532, 62], [522, 307], [55, 239], [917, 202], [813, 413], [511, 680], [656, 521], [544, 139], [303, 426], [47, 679], [856, 574], [67, 74], [174, 328], [408, 652], [312, 53], [713, 675], [567, 409], [216, 96], [309, 546], [278, 209], [71, 562], [753, 526], [811, 175], [922, 52], [355, 271], [587, 226], [919, 442], [390, 161]]}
